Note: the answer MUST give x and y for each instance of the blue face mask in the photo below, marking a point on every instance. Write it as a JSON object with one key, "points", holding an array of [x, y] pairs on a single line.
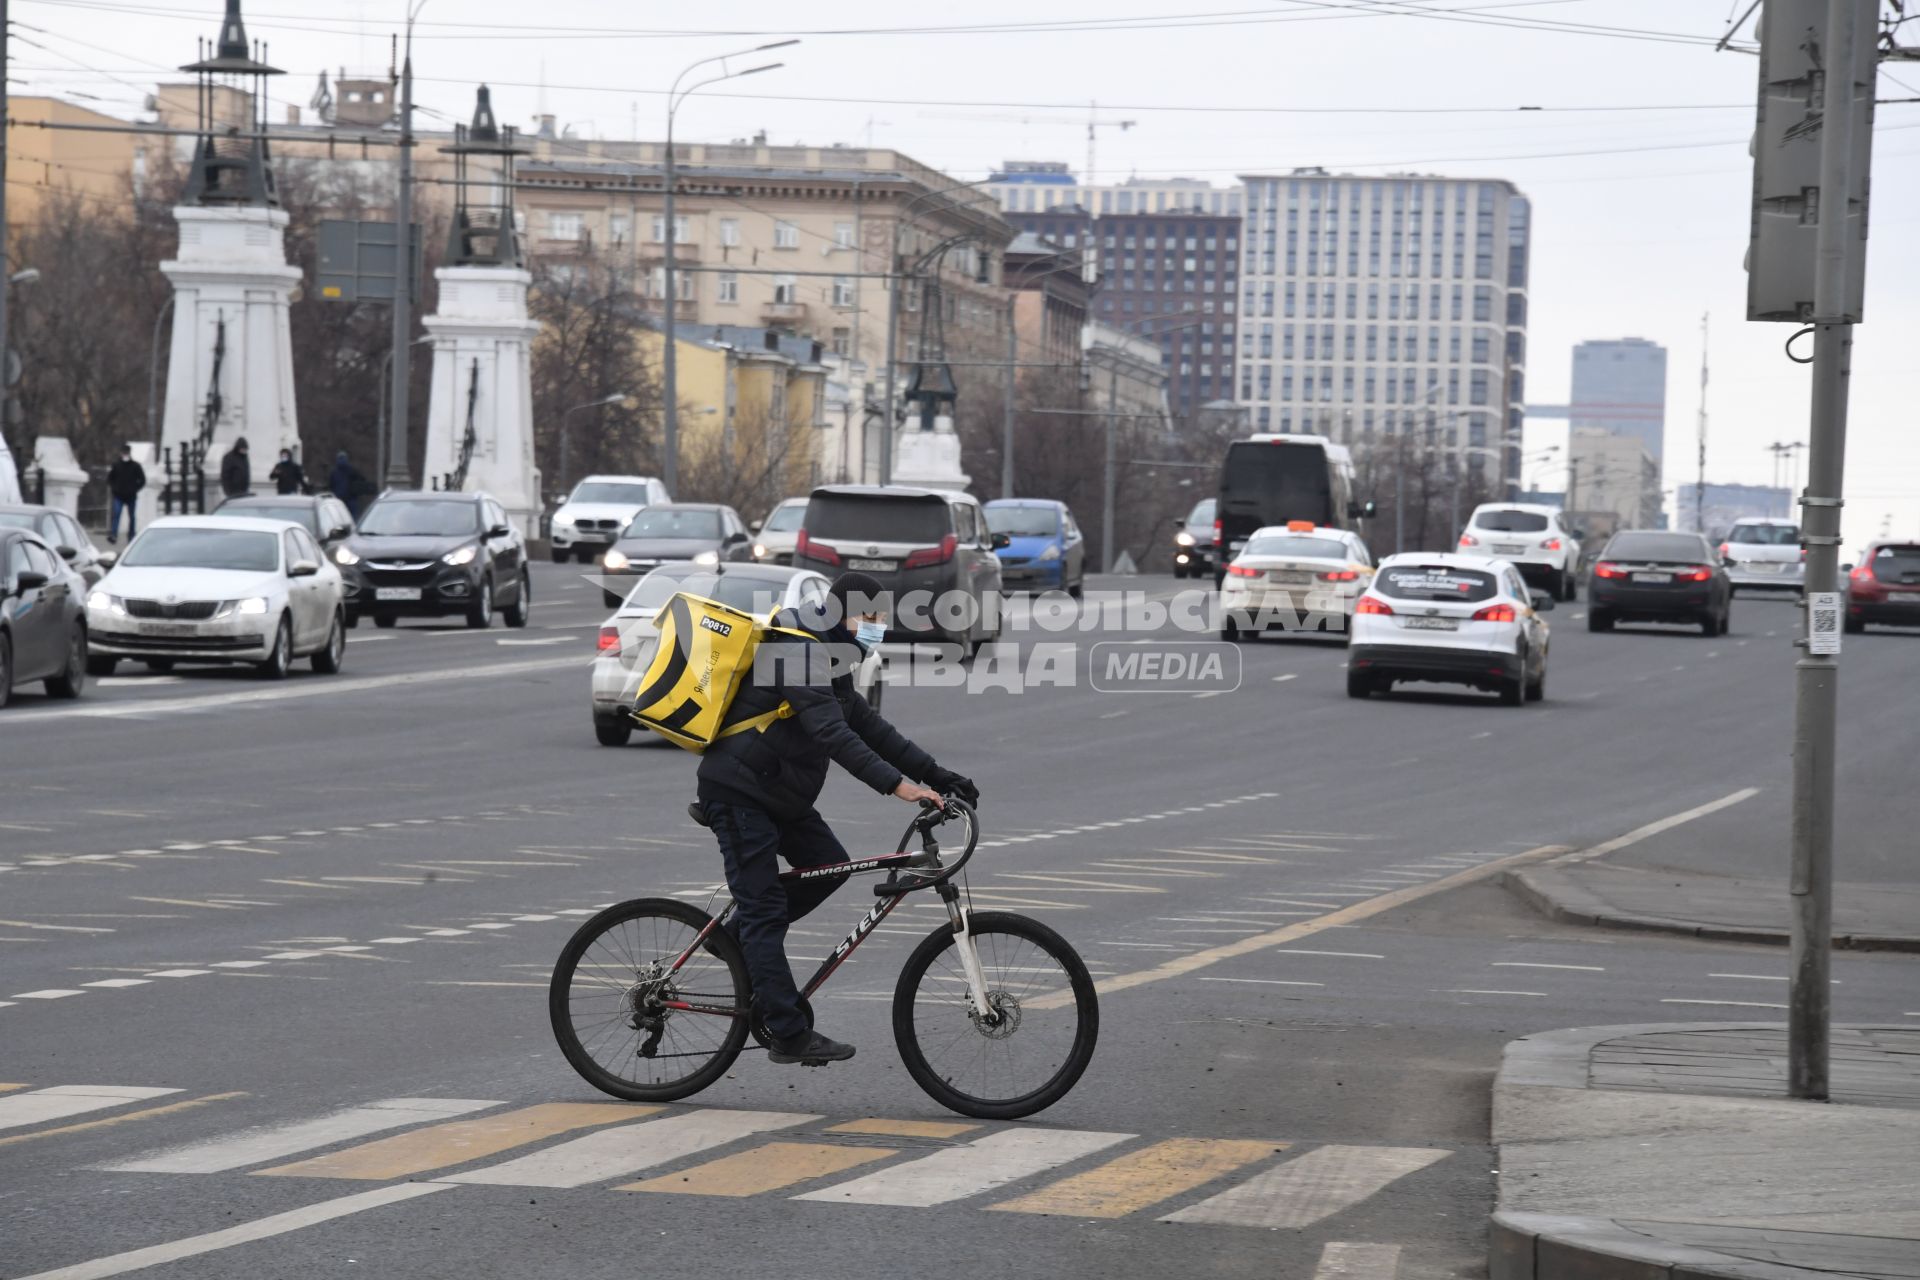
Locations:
{"points": [[869, 633]]}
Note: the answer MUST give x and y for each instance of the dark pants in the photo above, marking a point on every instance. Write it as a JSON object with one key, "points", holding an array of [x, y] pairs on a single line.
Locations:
{"points": [[752, 844], [113, 530]]}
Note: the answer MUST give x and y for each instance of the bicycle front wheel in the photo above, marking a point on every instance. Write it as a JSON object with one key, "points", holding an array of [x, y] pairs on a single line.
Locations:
{"points": [[610, 992], [1025, 1052]]}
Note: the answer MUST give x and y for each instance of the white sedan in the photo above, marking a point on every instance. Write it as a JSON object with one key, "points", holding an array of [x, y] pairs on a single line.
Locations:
{"points": [[1452, 619], [628, 640], [228, 589], [1294, 577]]}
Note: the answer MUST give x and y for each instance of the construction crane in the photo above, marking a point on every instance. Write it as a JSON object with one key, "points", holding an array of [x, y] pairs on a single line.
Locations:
{"points": [[1093, 123]]}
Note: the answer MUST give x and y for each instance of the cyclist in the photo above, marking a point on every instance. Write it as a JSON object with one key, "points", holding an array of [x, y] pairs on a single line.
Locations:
{"points": [[757, 790]]}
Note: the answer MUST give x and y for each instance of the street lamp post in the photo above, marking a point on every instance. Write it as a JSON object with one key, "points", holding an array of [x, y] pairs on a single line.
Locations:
{"points": [[670, 372], [399, 474], [566, 436], [153, 372]]}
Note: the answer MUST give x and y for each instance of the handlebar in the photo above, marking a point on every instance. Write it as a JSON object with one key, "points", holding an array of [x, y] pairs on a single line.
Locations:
{"points": [[932, 871]]}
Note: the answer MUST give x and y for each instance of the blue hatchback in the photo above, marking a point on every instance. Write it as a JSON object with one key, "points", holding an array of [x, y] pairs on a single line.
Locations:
{"points": [[1045, 550]]}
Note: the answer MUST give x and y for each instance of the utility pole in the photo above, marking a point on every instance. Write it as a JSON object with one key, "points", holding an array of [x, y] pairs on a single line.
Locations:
{"points": [[1700, 484], [399, 474], [6, 263], [1113, 462], [1006, 426]]}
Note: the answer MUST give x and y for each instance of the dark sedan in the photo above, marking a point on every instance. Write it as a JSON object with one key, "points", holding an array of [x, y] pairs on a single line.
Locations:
{"points": [[63, 533], [1651, 575], [668, 533], [433, 554], [320, 514], [43, 617]]}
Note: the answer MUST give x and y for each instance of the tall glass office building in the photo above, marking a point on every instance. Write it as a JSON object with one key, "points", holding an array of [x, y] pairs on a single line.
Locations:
{"points": [[1620, 386]]}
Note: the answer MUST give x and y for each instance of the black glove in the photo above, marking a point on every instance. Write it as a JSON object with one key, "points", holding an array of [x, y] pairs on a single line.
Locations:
{"points": [[947, 782]]}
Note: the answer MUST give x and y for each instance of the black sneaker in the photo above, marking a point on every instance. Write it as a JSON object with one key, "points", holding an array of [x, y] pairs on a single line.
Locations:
{"points": [[811, 1048]]}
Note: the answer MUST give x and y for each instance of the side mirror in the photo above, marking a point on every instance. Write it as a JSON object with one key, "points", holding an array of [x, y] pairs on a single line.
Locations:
{"points": [[68, 553], [1178, 523], [30, 579], [1542, 602], [1000, 540], [302, 569], [735, 537], [105, 559], [341, 531], [754, 525], [1846, 568], [499, 531]]}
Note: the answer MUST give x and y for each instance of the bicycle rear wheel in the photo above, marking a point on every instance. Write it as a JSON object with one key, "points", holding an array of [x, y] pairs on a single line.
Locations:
{"points": [[606, 993], [1025, 1054]]}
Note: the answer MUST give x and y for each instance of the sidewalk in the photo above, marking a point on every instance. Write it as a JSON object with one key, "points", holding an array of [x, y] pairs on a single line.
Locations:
{"points": [[1875, 917], [1669, 1151]]}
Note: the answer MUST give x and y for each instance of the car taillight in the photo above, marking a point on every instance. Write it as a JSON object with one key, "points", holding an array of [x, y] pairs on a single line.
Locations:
{"points": [[1551, 544], [1340, 575], [932, 555], [1724, 551], [1219, 534], [1241, 571], [1863, 574], [609, 637], [1608, 569], [1468, 540], [1494, 613], [1370, 605], [805, 546], [1699, 573]]}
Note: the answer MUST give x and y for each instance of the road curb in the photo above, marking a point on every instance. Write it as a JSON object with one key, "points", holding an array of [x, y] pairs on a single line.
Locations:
{"points": [[1553, 893]]}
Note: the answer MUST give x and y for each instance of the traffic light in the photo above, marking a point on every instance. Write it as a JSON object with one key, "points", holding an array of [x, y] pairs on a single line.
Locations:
{"points": [[1786, 157]]}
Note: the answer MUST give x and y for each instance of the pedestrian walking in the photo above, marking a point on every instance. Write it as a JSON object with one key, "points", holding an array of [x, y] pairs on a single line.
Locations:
{"points": [[236, 471], [125, 480], [347, 484], [286, 475]]}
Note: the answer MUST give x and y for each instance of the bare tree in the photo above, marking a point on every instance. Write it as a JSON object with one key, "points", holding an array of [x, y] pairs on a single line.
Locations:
{"points": [[589, 348], [749, 464]]}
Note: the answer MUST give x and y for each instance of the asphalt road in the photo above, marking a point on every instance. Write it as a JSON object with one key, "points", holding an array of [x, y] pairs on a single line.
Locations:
{"points": [[296, 920]]}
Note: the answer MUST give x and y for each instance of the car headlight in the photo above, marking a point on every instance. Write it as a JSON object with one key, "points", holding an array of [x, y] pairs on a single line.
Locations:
{"points": [[252, 606], [1051, 553], [1183, 539], [614, 560], [759, 551], [343, 554], [101, 600], [707, 557], [461, 555]]}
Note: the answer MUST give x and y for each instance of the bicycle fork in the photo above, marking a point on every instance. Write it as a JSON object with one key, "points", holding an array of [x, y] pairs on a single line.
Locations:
{"points": [[969, 956]]}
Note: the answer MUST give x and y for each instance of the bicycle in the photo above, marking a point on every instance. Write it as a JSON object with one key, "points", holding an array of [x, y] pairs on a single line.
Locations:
{"points": [[994, 1014]]}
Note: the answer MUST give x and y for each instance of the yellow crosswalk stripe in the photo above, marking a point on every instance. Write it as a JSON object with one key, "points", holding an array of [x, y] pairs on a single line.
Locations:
{"points": [[1142, 1178], [767, 1168], [458, 1142], [903, 1128], [5, 1087]]}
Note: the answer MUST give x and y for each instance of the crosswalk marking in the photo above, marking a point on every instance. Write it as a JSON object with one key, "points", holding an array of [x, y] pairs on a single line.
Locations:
{"points": [[276, 1142], [958, 1172], [1301, 1192], [903, 1128], [630, 1148], [1143, 1177], [457, 1142], [769, 1168], [1340, 1260], [63, 1100]]}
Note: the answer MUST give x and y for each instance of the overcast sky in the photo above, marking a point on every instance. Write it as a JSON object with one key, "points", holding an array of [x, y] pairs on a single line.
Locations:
{"points": [[1640, 216]]}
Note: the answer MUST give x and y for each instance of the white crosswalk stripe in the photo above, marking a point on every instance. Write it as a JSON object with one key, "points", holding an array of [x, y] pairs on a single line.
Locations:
{"points": [[958, 1172], [1302, 1191], [1340, 1260], [63, 1100], [614, 1153], [276, 1142]]}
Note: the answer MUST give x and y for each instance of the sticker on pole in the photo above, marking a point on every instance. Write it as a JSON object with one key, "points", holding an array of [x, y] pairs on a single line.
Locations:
{"points": [[1823, 622]]}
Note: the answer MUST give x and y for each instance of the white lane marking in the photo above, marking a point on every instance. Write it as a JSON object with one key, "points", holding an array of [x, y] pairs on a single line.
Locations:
{"points": [[1638, 834], [51, 993], [1346, 955], [117, 982], [1115, 715], [115, 682], [535, 641], [245, 1233], [276, 1142], [616, 1152], [302, 689], [237, 964], [1730, 1004], [1342, 1261], [1537, 964], [495, 925], [295, 955], [958, 1172], [179, 973], [1267, 982], [1283, 679], [63, 1100], [446, 933], [1302, 1191], [1482, 991], [367, 639]]}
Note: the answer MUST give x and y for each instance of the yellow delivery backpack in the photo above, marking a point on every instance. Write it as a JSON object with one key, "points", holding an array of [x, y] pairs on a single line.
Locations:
{"points": [[705, 655]]}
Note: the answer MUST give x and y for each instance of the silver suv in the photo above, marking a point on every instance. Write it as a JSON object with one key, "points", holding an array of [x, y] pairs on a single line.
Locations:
{"points": [[1763, 552], [930, 548]]}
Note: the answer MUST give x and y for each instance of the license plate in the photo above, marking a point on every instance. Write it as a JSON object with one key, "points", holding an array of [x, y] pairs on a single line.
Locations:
{"points": [[396, 593], [160, 629], [1430, 624], [871, 566], [1287, 576], [1653, 578], [1767, 568], [1508, 549]]}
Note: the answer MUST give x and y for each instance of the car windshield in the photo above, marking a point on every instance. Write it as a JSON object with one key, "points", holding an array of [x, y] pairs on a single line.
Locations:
{"points": [[786, 518], [1765, 535], [878, 518], [749, 592], [189, 548], [610, 491], [300, 514], [1297, 545], [1686, 548], [1434, 582], [416, 519], [1024, 522], [1202, 512], [667, 522], [1896, 564], [1507, 520]]}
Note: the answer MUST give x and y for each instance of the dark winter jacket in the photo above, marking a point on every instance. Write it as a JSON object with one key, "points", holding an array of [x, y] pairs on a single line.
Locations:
{"points": [[783, 769], [236, 474], [126, 479], [287, 476]]}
